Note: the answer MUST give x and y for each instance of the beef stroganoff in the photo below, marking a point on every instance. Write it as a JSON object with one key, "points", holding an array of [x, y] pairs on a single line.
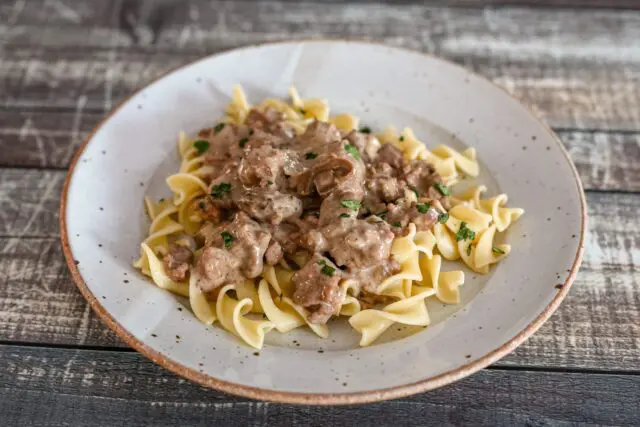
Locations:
{"points": [[283, 216]]}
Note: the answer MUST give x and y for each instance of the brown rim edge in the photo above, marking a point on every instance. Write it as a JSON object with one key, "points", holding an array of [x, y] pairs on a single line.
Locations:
{"points": [[318, 398]]}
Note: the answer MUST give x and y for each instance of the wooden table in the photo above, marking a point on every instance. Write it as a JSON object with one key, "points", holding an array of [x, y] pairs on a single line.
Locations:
{"points": [[65, 63]]}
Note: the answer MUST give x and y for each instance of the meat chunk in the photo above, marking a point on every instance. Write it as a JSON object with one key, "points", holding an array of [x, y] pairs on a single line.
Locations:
{"points": [[268, 205], [208, 211], [421, 214], [216, 267], [177, 262], [368, 145], [261, 166], [357, 243], [317, 290], [319, 134], [269, 121], [232, 250], [382, 186], [423, 177], [390, 155], [274, 253]]}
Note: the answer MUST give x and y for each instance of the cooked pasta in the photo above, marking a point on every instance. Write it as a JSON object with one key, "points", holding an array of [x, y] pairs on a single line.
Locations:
{"points": [[252, 254]]}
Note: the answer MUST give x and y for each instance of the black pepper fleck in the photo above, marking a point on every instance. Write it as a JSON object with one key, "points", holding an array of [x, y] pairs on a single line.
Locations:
{"points": [[558, 286], [468, 356], [154, 335], [256, 353], [125, 281], [76, 262]]}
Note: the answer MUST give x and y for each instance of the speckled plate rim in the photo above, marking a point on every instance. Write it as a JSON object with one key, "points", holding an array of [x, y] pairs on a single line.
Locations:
{"points": [[318, 398]]}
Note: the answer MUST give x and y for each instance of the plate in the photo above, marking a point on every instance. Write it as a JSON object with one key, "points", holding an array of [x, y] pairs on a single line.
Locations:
{"points": [[132, 151]]}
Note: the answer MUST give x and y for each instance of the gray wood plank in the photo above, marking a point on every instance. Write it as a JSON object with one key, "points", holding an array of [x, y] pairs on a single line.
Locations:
{"points": [[596, 327], [81, 387], [48, 139], [577, 68]]}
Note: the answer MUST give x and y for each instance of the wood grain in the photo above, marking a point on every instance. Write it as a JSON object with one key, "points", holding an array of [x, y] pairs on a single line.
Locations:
{"points": [[597, 327], [82, 387], [48, 139], [576, 68]]}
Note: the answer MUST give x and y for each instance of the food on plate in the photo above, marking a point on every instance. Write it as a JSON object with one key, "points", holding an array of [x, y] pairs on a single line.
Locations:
{"points": [[285, 211]]}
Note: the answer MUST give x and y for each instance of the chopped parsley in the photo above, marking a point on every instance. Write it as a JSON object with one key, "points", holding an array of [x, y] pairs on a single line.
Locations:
{"points": [[415, 190], [401, 138], [465, 233], [303, 111], [201, 146], [310, 155], [322, 262], [365, 129], [220, 190], [243, 142], [423, 207], [382, 214], [442, 189], [497, 250], [354, 205], [270, 182], [218, 127], [443, 218], [353, 150], [469, 250], [345, 215], [227, 238], [327, 270], [397, 224]]}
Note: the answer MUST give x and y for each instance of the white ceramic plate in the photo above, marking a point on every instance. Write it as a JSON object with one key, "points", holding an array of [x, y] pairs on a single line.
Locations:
{"points": [[130, 154]]}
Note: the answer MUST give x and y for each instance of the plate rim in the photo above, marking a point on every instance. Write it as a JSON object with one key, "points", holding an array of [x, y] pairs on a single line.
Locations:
{"points": [[266, 394]]}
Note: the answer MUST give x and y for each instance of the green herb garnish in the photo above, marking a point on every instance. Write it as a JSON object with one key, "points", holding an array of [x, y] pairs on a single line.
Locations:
{"points": [[465, 233], [397, 224], [469, 250], [345, 215], [201, 145], [443, 218], [442, 189], [227, 238], [322, 262], [423, 207], [243, 142], [270, 182], [401, 138], [497, 250], [353, 150], [218, 127], [328, 270], [310, 155], [303, 111], [415, 190], [220, 190], [365, 129], [354, 205], [382, 214]]}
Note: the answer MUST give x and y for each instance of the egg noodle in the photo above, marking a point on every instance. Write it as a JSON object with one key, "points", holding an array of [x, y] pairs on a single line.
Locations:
{"points": [[254, 307]]}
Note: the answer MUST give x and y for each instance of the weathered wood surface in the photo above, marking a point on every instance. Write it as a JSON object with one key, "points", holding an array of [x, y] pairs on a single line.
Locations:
{"points": [[82, 387], [48, 139], [596, 328], [64, 63], [577, 69]]}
